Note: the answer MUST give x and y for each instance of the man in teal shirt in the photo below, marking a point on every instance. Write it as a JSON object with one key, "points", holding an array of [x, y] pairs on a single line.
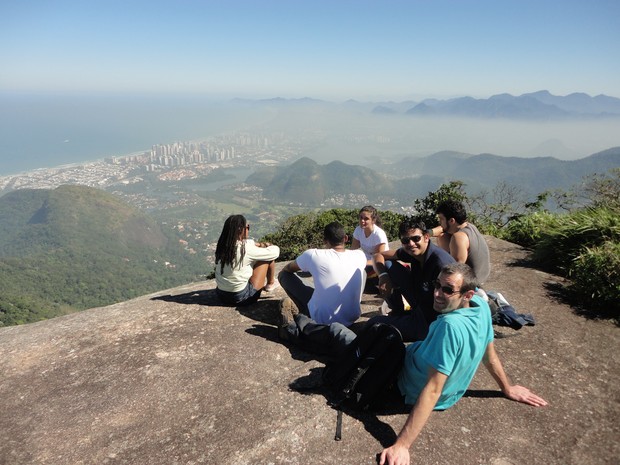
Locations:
{"points": [[437, 371]]}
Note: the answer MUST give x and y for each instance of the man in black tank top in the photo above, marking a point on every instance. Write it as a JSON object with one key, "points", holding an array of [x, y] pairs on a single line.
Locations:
{"points": [[462, 239]]}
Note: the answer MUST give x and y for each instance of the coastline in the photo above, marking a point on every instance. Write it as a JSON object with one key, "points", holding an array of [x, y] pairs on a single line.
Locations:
{"points": [[55, 168], [66, 166]]}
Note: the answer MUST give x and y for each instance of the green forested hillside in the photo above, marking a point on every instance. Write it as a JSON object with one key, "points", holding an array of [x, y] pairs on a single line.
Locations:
{"points": [[532, 175], [308, 183], [305, 182], [76, 247]]}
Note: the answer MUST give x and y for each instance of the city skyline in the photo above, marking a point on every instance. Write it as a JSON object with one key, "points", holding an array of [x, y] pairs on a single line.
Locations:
{"points": [[362, 50]]}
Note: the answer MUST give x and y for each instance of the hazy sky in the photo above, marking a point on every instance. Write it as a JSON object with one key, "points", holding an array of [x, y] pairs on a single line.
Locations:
{"points": [[331, 49]]}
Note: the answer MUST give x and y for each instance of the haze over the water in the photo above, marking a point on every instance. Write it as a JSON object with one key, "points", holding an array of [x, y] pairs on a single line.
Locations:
{"points": [[83, 80]]}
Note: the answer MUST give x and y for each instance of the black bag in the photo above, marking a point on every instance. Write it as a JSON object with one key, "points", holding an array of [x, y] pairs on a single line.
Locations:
{"points": [[367, 368]]}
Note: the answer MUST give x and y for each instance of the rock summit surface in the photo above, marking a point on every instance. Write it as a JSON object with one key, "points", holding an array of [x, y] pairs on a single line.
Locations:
{"points": [[175, 378]]}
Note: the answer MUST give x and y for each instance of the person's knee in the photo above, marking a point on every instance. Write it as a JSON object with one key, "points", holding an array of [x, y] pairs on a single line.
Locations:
{"points": [[341, 336], [284, 277], [399, 274]]}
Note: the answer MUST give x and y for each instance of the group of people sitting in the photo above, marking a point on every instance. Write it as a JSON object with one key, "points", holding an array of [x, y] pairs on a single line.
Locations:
{"points": [[447, 322]]}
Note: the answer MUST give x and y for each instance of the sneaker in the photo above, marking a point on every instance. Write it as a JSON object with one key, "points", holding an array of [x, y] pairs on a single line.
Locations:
{"points": [[272, 287], [288, 310], [502, 302], [385, 308]]}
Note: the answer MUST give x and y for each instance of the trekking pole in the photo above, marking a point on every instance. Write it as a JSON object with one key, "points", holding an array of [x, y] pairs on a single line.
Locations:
{"points": [[338, 435]]}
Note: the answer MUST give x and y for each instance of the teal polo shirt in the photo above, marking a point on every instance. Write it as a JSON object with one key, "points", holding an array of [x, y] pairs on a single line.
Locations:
{"points": [[455, 345]]}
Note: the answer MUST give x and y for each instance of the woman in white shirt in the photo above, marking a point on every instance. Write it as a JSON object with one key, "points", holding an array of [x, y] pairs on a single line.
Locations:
{"points": [[242, 265], [369, 236]]}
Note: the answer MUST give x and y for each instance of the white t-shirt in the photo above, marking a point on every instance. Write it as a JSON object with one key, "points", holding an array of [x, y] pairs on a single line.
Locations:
{"points": [[368, 244], [338, 284]]}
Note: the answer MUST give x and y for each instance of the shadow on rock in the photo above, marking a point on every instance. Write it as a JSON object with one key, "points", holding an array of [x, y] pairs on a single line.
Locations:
{"points": [[562, 294], [482, 394], [524, 263], [264, 310], [271, 334], [312, 384], [266, 332], [205, 297]]}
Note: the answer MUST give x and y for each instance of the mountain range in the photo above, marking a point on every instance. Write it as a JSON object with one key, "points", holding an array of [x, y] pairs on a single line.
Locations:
{"points": [[533, 175], [540, 105], [537, 105], [308, 183]]}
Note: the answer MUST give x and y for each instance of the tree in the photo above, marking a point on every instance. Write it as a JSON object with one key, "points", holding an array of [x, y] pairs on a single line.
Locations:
{"points": [[305, 231], [425, 208]]}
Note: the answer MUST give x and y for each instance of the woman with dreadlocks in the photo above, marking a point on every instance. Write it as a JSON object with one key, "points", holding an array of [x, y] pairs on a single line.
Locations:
{"points": [[242, 265]]}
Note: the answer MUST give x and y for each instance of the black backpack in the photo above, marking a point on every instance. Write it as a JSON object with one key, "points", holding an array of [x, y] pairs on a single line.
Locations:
{"points": [[367, 368]]}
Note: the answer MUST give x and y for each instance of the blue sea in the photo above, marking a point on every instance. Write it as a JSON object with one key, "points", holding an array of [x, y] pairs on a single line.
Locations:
{"points": [[47, 130]]}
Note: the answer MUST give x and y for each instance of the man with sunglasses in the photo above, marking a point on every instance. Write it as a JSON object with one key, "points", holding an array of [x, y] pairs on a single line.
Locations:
{"points": [[413, 282], [437, 371]]}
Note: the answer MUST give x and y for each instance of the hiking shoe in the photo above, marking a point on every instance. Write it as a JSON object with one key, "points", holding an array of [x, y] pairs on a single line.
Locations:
{"points": [[288, 310], [273, 286]]}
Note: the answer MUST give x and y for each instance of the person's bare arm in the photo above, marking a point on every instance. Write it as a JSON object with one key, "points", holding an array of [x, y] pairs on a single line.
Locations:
{"points": [[398, 453], [379, 258], [355, 244], [291, 267], [514, 392], [378, 263], [459, 246], [443, 240], [436, 231], [377, 249], [380, 248]]}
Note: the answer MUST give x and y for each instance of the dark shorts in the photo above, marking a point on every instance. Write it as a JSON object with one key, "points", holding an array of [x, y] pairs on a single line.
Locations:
{"points": [[246, 296]]}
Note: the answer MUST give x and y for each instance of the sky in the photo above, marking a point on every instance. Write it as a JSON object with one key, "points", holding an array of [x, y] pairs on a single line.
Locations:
{"points": [[328, 49]]}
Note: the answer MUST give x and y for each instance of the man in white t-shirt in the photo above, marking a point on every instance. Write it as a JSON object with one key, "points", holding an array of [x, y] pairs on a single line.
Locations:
{"points": [[317, 317]]}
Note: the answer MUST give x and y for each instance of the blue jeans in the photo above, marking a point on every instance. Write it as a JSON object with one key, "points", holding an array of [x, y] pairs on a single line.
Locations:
{"points": [[247, 296], [312, 337]]}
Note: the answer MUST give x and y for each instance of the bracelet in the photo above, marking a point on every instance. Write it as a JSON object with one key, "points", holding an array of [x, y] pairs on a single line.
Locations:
{"points": [[381, 275]]}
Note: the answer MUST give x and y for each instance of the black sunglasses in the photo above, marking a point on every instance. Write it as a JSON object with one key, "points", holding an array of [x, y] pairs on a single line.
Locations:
{"points": [[447, 290], [416, 239]]}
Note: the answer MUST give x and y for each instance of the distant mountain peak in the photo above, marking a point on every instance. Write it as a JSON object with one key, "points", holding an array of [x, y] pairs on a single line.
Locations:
{"points": [[540, 93], [381, 109], [539, 105]]}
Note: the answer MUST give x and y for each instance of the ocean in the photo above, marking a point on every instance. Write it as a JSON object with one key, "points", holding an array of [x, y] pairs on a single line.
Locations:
{"points": [[48, 130]]}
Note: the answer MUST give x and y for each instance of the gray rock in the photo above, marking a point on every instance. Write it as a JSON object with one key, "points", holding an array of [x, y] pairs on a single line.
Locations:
{"points": [[174, 378]]}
